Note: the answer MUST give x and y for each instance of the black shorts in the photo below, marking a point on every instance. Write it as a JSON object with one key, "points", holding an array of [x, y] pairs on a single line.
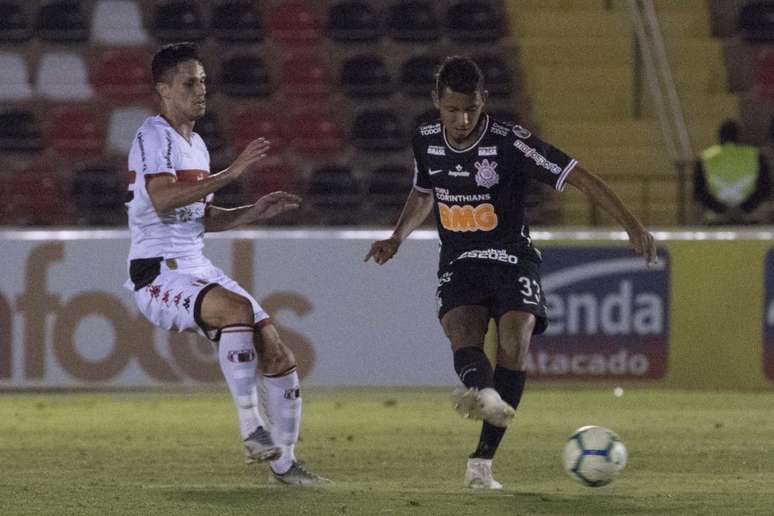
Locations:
{"points": [[499, 287]]}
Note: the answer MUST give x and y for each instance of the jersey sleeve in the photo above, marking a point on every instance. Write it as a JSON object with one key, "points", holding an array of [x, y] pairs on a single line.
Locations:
{"points": [[152, 153], [542, 161], [421, 176]]}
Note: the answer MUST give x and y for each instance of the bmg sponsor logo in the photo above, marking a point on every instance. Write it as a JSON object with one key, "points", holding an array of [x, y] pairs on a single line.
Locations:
{"points": [[608, 316], [768, 318]]}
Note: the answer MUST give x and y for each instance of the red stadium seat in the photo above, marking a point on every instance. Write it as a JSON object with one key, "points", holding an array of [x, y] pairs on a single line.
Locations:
{"points": [[315, 132], [272, 176], [305, 75], [33, 196], [294, 21], [248, 124], [123, 75], [76, 129]]}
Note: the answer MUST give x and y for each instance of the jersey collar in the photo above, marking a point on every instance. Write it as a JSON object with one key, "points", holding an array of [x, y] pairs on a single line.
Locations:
{"points": [[472, 145]]}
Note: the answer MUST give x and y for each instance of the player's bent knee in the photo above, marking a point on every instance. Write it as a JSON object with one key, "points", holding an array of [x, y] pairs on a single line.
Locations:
{"points": [[222, 307]]}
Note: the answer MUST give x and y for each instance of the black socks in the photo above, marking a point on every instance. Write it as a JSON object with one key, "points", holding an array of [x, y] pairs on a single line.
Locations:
{"points": [[510, 385], [473, 367]]}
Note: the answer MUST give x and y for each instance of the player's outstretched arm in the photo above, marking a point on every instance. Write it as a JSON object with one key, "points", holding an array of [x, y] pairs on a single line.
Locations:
{"points": [[418, 206], [167, 193], [601, 195], [268, 206]]}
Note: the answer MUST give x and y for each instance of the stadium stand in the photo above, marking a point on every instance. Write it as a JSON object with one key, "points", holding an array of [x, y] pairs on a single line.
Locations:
{"points": [[63, 76], [62, 21], [118, 23], [75, 130], [353, 21], [178, 20], [15, 80], [14, 23], [77, 72], [236, 21], [414, 21]]}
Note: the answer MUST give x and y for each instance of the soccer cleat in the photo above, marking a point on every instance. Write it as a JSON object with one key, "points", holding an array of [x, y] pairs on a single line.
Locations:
{"points": [[298, 475], [478, 475], [260, 447], [485, 404]]}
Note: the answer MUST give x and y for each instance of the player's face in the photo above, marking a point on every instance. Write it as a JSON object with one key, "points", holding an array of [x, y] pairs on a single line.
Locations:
{"points": [[460, 113], [186, 94]]}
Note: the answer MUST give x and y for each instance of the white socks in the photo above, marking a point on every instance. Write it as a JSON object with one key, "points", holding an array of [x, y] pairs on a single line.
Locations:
{"points": [[237, 358], [283, 404]]}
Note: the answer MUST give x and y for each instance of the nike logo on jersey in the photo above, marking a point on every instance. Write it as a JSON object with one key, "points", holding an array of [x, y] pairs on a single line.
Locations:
{"points": [[434, 172]]}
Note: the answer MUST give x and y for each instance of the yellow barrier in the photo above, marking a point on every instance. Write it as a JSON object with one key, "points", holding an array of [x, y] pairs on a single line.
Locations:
{"points": [[717, 306]]}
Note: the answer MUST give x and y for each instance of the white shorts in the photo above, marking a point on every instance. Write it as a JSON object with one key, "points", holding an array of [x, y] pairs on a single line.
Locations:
{"points": [[173, 300]]}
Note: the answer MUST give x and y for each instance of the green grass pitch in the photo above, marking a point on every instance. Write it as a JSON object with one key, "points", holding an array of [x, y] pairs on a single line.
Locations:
{"points": [[396, 451]]}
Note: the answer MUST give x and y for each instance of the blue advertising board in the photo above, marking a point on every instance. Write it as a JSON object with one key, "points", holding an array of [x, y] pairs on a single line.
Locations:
{"points": [[608, 315]]}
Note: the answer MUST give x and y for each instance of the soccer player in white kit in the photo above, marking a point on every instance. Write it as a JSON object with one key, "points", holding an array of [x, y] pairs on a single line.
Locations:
{"points": [[177, 288]]}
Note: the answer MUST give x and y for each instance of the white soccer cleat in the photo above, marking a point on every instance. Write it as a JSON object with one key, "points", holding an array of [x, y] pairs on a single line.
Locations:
{"points": [[478, 475], [485, 404], [298, 475], [259, 447]]}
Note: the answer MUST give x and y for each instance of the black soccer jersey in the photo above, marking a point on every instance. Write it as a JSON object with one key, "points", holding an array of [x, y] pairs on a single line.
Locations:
{"points": [[480, 191]]}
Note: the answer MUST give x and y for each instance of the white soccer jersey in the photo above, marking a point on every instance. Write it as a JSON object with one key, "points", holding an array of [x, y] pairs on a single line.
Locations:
{"points": [[159, 149]]}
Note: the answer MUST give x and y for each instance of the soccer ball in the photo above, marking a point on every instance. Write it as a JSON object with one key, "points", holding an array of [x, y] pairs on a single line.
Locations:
{"points": [[594, 456]]}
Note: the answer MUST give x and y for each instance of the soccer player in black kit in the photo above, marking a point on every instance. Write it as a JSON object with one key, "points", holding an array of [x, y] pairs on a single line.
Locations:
{"points": [[473, 172]]}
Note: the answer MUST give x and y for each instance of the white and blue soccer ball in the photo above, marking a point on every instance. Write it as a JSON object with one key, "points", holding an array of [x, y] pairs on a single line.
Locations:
{"points": [[594, 456]]}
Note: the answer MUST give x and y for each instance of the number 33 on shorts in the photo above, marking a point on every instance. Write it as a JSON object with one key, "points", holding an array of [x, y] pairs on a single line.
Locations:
{"points": [[530, 289]]}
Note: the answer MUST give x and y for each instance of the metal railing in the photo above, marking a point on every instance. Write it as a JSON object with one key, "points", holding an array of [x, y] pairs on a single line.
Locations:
{"points": [[652, 56]]}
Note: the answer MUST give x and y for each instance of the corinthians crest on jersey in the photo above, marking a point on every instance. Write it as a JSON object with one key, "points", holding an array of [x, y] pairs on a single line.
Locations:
{"points": [[484, 209]]}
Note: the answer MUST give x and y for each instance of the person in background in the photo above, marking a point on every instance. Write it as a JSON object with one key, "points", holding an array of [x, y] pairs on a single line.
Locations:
{"points": [[731, 179]]}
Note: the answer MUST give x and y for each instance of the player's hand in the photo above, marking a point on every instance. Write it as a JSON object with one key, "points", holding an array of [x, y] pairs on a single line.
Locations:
{"points": [[382, 250], [274, 204], [255, 151], [644, 244]]}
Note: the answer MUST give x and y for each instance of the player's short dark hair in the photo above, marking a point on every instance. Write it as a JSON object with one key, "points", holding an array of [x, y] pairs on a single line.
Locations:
{"points": [[460, 74], [729, 132], [167, 58]]}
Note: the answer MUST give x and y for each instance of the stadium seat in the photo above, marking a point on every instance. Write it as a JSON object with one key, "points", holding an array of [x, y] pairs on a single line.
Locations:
{"points": [[33, 195], [245, 75], [417, 75], [98, 193], [122, 127], [248, 124], [413, 20], [378, 130], [14, 25], [366, 76], [118, 23], [208, 127], [237, 21], [756, 22], [474, 21], [388, 187], [123, 75], [178, 20], [63, 76], [294, 21], [19, 131], [764, 72], [315, 132], [305, 75], [270, 177], [497, 76], [75, 129], [335, 193], [353, 20], [62, 20], [15, 79]]}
